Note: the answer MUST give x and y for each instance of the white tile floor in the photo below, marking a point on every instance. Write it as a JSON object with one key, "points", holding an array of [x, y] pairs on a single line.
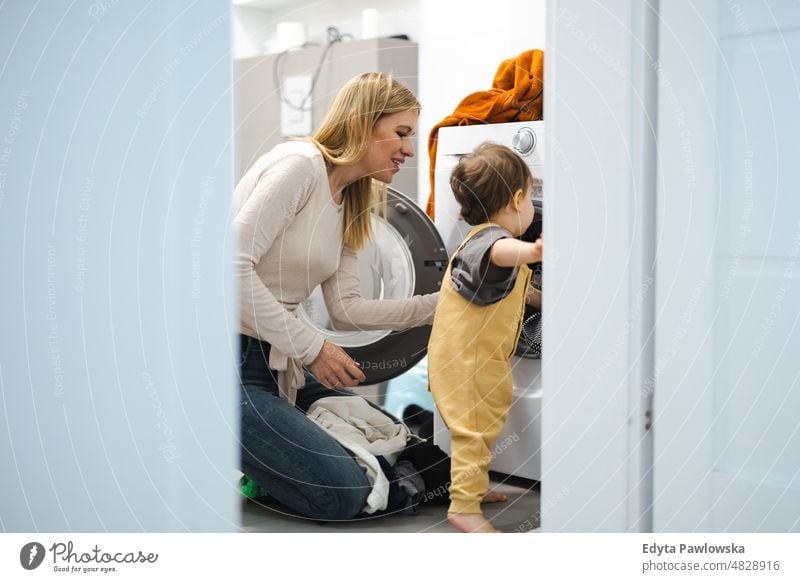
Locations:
{"points": [[519, 514]]}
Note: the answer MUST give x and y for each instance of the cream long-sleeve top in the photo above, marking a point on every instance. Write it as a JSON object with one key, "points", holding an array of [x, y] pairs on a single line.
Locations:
{"points": [[290, 240]]}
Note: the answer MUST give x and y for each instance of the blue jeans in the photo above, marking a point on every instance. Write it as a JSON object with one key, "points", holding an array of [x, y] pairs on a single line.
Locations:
{"points": [[297, 462]]}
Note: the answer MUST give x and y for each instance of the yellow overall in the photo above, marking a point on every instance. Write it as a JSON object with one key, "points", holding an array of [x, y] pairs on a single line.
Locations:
{"points": [[470, 378]]}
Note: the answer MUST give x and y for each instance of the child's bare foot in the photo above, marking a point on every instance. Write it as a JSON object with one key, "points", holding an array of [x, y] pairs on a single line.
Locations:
{"points": [[471, 523], [494, 497]]}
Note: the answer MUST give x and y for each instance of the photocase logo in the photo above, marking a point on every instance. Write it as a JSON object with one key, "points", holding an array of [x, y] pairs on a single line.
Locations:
{"points": [[31, 555]]}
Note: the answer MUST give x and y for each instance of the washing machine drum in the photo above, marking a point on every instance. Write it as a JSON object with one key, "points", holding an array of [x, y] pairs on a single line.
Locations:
{"points": [[405, 257], [530, 340]]}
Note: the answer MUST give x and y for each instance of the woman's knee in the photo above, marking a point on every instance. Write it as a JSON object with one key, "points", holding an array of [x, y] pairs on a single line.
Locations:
{"points": [[336, 504], [342, 491]]}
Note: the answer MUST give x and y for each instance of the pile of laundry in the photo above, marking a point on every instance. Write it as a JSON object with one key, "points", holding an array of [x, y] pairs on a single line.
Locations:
{"points": [[405, 469]]}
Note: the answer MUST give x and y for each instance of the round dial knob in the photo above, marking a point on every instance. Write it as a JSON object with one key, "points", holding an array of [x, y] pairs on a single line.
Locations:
{"points": [[524, 141]]}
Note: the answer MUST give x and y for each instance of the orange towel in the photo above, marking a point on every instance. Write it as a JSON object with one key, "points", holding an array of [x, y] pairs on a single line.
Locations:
{"points": [[516, 95]]}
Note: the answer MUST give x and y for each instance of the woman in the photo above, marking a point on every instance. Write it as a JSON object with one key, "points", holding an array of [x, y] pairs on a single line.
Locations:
{"points": [[304, 211]]}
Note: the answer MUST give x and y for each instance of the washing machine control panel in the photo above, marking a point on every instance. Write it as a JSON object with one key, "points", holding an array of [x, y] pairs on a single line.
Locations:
{"points": [[524, 141]]}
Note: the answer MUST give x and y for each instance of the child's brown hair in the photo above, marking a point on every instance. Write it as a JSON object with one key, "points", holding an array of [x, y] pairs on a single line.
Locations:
{"points": [[485, 180]]}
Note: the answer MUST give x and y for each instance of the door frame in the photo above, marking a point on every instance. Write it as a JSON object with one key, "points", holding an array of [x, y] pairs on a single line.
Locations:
{"points": [[598, 266]]}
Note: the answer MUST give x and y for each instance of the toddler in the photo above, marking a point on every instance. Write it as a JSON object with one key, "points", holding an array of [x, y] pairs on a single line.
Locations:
{"points": [[478, 321]]}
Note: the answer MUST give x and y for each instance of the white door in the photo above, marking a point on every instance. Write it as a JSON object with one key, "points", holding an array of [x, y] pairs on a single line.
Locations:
{"points": [[118, 395], [727, 371]]}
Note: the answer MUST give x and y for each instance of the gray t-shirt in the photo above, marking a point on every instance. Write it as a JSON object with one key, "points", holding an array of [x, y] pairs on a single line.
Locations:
{"points": [[475, 277]]}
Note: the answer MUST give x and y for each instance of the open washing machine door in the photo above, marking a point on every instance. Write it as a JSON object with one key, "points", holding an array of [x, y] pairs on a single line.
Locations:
{"points": [[405, 257]]}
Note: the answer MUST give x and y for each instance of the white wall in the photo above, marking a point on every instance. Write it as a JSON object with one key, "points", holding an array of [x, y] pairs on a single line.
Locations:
{"points": [[252, 27], [461, 44]]}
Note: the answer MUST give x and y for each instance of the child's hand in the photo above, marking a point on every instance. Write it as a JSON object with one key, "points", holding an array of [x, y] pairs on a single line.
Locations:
{"points": [[510, 252], [538, 250]]}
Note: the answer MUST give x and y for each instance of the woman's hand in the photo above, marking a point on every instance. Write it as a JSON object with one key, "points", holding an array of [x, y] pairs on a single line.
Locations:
{"points": [[333, 368]]}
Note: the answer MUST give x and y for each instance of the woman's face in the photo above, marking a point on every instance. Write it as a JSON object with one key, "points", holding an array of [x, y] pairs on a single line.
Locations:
{"points": [[390, 145]]}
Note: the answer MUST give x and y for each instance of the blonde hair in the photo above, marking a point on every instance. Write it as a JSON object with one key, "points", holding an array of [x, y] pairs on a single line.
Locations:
{"points": [[344, 136]]}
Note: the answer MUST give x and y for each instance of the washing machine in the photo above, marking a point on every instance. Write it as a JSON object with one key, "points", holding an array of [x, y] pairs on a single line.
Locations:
{"points": [[518, 449]]}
